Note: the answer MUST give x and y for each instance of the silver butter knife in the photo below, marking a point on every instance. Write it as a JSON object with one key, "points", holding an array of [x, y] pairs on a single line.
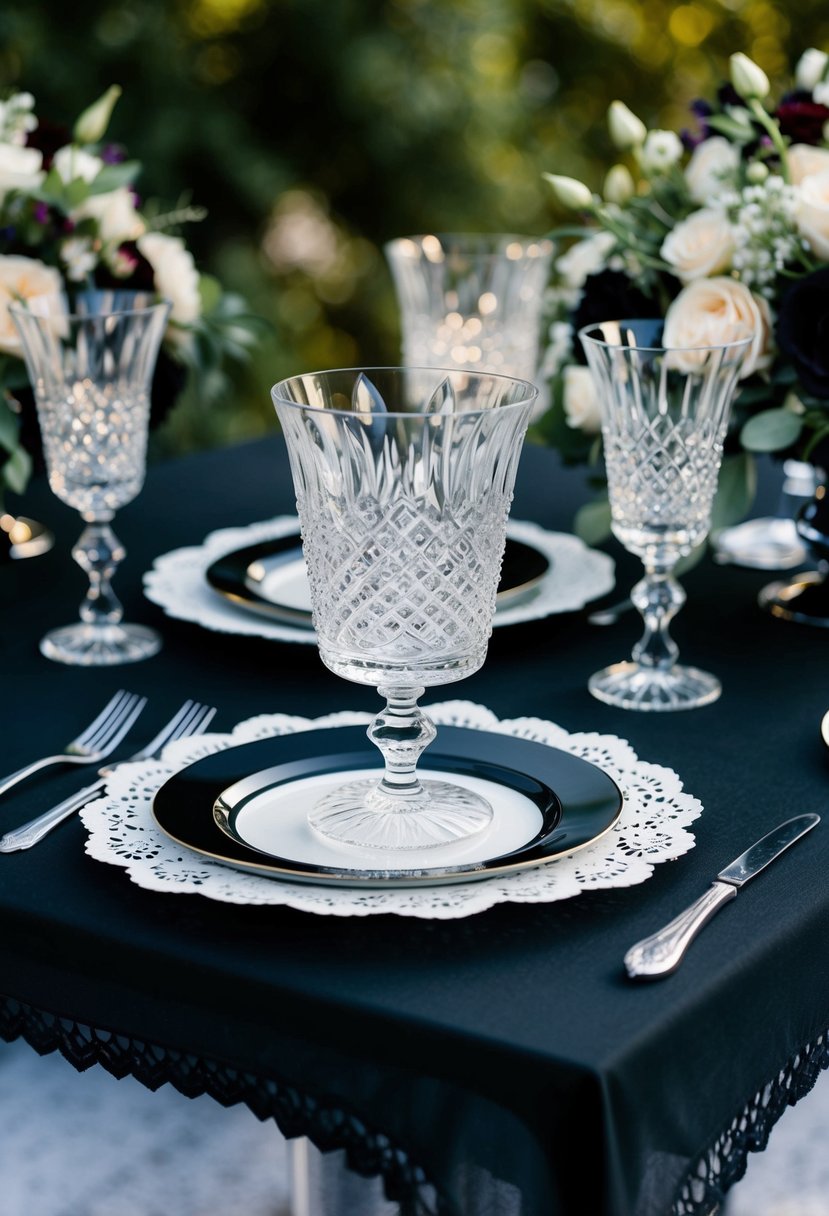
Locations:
{"points": [[662, 952]]}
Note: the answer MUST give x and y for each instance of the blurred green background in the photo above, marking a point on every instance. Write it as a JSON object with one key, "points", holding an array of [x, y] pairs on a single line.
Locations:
{"points": [[315, 130]]}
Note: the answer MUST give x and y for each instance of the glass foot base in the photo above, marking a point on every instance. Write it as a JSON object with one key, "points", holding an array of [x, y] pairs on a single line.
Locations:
{"points": [[629, 686], [84, 645], [359, 814]]}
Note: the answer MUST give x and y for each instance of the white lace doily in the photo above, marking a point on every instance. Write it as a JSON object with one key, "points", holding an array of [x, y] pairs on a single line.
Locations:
{"points": [[177, 582], [653, 827]]}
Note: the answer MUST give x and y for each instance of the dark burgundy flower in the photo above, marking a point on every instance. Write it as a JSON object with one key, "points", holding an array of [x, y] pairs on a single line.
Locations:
{"points": [[48, 137], [801, 118], [41, 213], [610, 296], [803, 331]]}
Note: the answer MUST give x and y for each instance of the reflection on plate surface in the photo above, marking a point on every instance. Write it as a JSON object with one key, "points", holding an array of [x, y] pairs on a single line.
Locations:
{"points": [[259, 793]]}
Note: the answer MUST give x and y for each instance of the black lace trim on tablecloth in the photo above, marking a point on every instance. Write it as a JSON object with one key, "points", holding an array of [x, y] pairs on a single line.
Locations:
{"points": [[724, 1164], [367, 1151]]}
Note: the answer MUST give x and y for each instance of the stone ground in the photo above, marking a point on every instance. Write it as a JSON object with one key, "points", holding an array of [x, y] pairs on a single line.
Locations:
{"points": [[88, 1145]]}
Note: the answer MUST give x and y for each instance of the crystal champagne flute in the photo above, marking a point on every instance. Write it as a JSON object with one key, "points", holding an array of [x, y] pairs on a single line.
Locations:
{"points": [[404, 479], [664, 418], [91, 370]]}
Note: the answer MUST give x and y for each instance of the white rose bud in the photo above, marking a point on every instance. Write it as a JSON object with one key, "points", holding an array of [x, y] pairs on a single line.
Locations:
{"points": [[626, 130], [582, 410], [570, 192], [748, 79], [619, 185], [811, 68], [92, 124], [756, 173]]}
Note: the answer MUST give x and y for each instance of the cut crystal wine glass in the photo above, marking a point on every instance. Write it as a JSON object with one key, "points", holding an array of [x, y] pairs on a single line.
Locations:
{"points": [[664, 418], [404, 479], [471, 300], [90, 366]]}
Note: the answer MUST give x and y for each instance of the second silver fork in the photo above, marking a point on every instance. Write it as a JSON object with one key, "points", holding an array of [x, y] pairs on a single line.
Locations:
{"points": [[192, 719]]}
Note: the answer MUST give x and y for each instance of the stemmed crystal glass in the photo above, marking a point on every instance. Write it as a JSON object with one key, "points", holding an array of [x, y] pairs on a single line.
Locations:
{"points": [[404, 479], [90, 367], [664, 418], [471, 300]]}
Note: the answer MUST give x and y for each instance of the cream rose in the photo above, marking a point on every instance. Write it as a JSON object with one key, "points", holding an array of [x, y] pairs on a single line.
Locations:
{"points": [[115, 215], [813, 212], [20, 169], [175, 275], [712, 163], [581, 401], [700, 246], [22, 279], [584, 258], [711, 312], [804, 161]]}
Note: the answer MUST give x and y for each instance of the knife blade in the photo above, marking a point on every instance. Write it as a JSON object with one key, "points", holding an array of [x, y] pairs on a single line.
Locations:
{"points": [[662, 952]]}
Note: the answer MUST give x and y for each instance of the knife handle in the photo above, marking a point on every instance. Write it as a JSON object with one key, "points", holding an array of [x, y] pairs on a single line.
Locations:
{"points": [[662, 952]]}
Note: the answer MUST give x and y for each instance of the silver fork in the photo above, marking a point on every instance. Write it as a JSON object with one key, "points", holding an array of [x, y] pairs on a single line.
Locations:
{"points": [[92, 745], [192, 719]]}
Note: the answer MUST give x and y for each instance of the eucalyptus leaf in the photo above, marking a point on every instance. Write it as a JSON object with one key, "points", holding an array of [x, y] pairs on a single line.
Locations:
{"points": [[16, 471], [51, 190], [111, 177], [77, 192], [735, 490], [771, 431], [210, 290], [592, 522], [9, 426]]}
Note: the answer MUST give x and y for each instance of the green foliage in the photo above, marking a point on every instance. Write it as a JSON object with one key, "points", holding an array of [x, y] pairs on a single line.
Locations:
{"points": [[314, 130], [771, 431]]}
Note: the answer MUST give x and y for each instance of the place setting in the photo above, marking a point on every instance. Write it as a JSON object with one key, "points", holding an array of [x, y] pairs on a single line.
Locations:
{"points": [[404, 479]]}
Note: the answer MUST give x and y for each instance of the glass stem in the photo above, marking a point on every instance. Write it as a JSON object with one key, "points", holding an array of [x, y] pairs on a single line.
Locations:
{"points": [[402, 732], [99, 552], [658, 597]]}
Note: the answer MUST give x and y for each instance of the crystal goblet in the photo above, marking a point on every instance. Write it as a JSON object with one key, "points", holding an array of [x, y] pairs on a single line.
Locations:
{"points": [[471, 300], [664, 418], [91, 368], [404, 479]]}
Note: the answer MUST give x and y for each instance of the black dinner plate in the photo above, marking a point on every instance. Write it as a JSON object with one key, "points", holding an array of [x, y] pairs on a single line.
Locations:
{"points": [[240, 576], [577, 801]]}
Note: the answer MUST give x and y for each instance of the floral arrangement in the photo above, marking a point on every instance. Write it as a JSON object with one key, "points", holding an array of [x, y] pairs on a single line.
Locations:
{"points": [[70, 219], [722, 231]]}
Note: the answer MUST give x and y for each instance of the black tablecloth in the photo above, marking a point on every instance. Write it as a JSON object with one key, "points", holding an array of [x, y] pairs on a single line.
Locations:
{"points": [[510, 1040]]}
